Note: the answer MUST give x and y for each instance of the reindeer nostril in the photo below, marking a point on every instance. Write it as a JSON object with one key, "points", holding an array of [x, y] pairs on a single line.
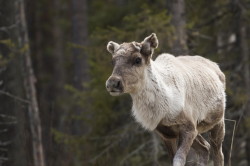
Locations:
{"points": [[114, 84], [118, 84]]}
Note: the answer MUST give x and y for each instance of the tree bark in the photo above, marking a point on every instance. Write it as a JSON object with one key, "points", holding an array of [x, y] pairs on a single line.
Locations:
{"points": [[58, 68], [59, 73], [245, 58], [29, 85], [79, 38], [177, 10], [80, 35]]}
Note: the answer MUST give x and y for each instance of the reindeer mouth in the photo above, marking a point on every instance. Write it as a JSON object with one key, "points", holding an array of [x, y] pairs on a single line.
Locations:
{"points": [[115, 93]]}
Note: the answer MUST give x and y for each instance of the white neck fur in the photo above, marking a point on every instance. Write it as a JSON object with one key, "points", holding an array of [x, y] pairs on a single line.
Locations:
{"points": [[156, 99]]}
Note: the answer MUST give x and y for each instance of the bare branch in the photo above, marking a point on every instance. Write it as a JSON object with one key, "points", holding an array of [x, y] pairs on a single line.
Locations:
{"points": [[134, 152], [3, 131], [14, 97], [105, 151], [7, 28], [4, 159], [113, 144], [231, 147], [5, 143], [8, 123], [7, 116]]}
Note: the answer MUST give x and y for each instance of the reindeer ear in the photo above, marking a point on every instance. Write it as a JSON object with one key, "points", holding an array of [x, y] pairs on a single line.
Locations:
{"points": [[112, 46], [152, 40], [149, 44]]}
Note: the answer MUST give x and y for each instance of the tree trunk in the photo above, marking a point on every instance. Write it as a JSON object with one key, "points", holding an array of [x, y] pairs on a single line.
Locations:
{"points": [[29, 85], [59, 73], [177, 10], [80, 34], [79, 38], [245, 58]]}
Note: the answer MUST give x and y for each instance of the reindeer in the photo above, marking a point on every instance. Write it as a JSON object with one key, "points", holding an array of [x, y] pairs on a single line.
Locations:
{"points": [[178, 97]]}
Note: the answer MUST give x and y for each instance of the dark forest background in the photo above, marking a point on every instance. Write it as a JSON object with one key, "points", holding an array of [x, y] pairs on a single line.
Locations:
{"points": [[54, 108]]}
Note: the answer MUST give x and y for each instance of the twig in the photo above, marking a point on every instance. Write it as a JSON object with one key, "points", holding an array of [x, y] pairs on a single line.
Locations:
{"points": [[134, 152], [4, 159], [14, 97], [231, 147], [112, 145], [8, 123], [5, 143], [104, 151], [214, 19], [3, 131], [6, 28], [7, 116]]}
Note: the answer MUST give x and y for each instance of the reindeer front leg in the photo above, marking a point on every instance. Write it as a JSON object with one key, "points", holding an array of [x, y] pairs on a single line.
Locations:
{"points": [[187, 135]]}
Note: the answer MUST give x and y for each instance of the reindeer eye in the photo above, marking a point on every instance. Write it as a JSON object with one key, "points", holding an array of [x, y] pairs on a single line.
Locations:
{"points": [[137, 61]]}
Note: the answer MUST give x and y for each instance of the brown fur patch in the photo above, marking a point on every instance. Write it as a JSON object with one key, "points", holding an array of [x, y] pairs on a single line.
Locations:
{"points": [[167, 131]]}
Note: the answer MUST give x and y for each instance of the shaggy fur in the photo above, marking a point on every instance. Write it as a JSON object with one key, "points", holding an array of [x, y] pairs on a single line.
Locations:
{"points": [[175, 84], [178, 97]]}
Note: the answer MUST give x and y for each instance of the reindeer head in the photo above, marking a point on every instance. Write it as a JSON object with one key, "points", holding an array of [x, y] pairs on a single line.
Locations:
{"points": [[130, 60]]}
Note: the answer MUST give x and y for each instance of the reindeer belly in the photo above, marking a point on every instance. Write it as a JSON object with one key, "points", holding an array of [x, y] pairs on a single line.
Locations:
{"points": [[211, 119]]}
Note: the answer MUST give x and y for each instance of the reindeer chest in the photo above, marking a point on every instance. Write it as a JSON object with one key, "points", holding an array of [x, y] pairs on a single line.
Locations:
{"points": [[150, 109]]}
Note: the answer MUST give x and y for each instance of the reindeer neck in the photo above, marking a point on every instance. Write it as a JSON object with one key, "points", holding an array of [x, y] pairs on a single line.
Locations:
{"points": [[150, 103], [158, 98], [152, 83]]}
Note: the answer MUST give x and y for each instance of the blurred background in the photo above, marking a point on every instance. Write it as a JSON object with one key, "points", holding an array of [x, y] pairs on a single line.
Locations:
{"points": [[55, 110]]}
